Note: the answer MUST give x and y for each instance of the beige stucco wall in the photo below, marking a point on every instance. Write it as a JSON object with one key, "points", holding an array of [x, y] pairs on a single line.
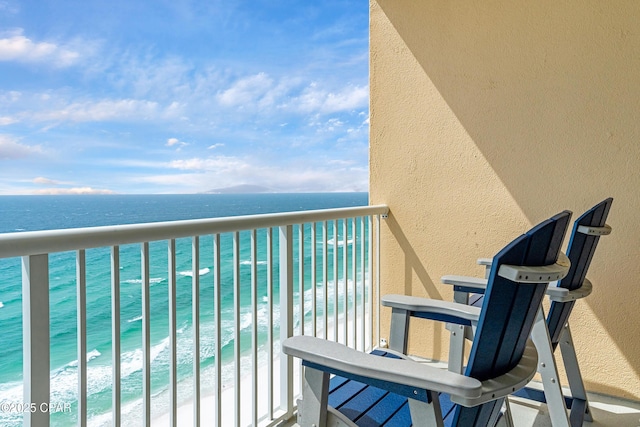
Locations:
{"points": [[486, 118]]}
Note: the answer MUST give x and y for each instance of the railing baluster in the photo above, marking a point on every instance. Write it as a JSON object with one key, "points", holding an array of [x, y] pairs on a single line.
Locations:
{"points": [[286, 315], [378, 279], [301, 276], [36, 338], [195, 321], [325, 280], [354, 240], [270, 321], [370, 276], [254, 328], [335, 280], [236, 324], [301, 281], [314, 285], [115, 334], [146, 335], [81, 289], [173, 327], [363, 294], [345, 275], [218, 333]]}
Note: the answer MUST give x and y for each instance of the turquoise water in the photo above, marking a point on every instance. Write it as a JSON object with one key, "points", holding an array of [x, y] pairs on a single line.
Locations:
{"points": [[29, 213]]}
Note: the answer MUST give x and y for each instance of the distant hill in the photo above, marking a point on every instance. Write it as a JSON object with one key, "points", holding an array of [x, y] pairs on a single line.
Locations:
{"points": [[243, 188]]}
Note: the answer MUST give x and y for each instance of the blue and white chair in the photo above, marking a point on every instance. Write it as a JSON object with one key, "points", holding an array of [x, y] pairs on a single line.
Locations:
{"points": [[553, 330]]}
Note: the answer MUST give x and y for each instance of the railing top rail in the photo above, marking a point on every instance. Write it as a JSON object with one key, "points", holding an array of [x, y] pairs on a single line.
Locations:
{"points": [[49, 241]]}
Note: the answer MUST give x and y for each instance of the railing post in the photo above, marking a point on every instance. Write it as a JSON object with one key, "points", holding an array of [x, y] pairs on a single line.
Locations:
{"points": [[35, 320], [81, 286], [286, 315]]}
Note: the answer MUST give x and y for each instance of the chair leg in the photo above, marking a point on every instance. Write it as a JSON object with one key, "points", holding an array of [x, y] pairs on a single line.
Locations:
{"points": [[549, 372], [457, 338], [507, 416], [315, 396], [429, 414], [573, 374], [399, 332]]}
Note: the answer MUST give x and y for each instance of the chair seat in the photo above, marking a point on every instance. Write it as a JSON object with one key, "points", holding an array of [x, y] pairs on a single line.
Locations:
{"points": [[369, 406]]}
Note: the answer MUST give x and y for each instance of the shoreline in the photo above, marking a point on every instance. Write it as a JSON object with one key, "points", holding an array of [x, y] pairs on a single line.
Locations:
{"points": [[185, 411], [208, 402]]}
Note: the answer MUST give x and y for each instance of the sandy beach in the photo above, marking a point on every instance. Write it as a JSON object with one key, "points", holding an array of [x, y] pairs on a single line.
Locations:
{"points": [[185, 412]]}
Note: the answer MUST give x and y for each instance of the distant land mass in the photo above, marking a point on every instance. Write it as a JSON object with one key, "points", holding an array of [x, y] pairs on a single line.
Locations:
{"points": [[241, 189]]}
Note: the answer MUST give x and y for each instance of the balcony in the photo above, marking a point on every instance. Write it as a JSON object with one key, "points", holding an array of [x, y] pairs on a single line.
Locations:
{"points": [[272, 276]]}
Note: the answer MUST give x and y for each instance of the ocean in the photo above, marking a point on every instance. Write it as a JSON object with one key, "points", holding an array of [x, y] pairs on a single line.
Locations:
{"points": [[31, 213]]}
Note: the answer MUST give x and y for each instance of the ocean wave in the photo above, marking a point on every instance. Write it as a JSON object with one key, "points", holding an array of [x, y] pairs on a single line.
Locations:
{"points": [[248, 262], [340, 242], [189, 273], [152, 281], [1, 304], [64, 380], [135, 319], [90, 356]]}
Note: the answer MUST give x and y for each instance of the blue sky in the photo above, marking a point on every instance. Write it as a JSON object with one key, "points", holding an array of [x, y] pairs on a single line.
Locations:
{"points": [[182, 96]]}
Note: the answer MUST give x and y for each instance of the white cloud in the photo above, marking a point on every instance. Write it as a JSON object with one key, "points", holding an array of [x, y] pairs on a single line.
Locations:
{"points": [[45, 181], [247, 91], [10, 149], [315, 99], [202, 174], [4, 121], [146, 75], [218, 164], [8, 8], [22, 49], [261, 91], [348, 99], [175, 141], [214, 146], [101, 111], [72, 191]]}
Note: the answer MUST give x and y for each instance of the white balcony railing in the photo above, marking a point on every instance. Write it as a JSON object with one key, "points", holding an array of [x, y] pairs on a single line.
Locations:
{"points": [[318, 276]]}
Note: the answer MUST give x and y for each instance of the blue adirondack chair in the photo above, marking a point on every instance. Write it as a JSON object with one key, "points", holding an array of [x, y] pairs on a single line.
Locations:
{"points": [[553, 331], [346, 387]]}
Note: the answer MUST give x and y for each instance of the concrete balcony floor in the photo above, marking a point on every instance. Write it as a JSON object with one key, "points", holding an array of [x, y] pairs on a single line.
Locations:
{"points": [[607, 412]]}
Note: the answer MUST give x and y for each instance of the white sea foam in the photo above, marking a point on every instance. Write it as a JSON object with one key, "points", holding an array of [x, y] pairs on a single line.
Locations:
{"points": [[340, 242], [189, 273], [90, 356], [152, 281], [135, 319], [248, 262], [1, 304]]}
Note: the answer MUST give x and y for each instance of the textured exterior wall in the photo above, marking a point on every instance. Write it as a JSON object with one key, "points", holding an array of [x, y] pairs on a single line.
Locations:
{"points": [[490, 116]]}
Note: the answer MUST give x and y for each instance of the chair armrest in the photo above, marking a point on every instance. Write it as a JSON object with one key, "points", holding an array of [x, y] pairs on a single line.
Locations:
{"points": [[485, 261], [336, 358], [559, 294], [506, 384], [595, 231], [445, 309], [465, 281], [520, 274]]}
